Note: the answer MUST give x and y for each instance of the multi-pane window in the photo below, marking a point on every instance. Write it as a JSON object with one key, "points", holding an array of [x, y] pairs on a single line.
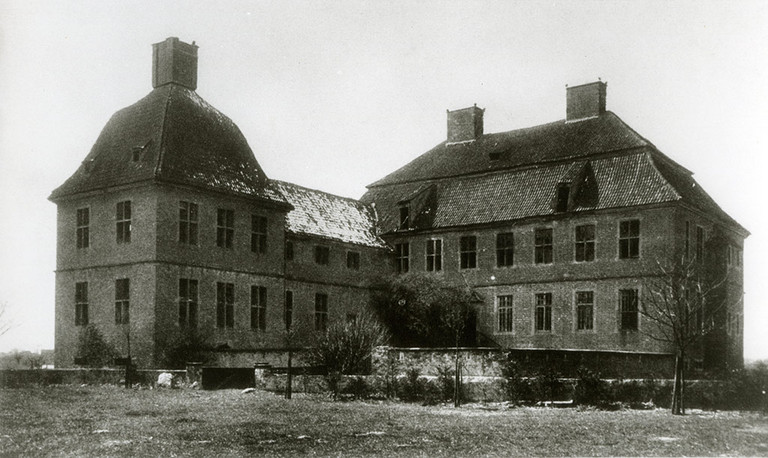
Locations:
{"points": [[434, 255], [353, 260], [468, 252], [288, 250], [258, 308], [123, 221], [542, 251], [81, 304], [401, 257], [585, 243], [83, 223], [225, 305], [628, 308], [258, 234], [585, 305], [504, 314], [699, 243], [505, 249], [225, 228], [188, 222], [122, 300], [288, 312], [322, 254], [544, 312], [187, 303], [321, 312], [629, 239]]}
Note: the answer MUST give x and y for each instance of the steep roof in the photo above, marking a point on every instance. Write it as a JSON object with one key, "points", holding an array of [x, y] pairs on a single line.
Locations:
{"points": [[174, 136], [320, 214]]}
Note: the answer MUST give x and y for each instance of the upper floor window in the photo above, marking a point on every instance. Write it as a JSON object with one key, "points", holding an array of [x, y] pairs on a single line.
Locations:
{"points": [[288, 311], [629, 309], [289, 250], [585, 243], [123, 221], [434, 255], [504, 314], [81, 304], [699, 243], [187, 303], [188, 222], [629, 239], [585, 304], [322, 254], [402, 257], [122, 300], [258, 234], [505, 249], [353, 260], [225, 228], [83, 223], [321, 312], [544, 312], [258, 308], [543, 246], [468, 252], [225, 305]]}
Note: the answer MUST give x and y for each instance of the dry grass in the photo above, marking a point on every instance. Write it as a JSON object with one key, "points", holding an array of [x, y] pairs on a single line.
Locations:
{"points": [[110, 421]]}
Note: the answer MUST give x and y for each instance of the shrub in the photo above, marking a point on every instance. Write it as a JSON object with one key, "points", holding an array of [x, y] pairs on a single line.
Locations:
{"points": [[93, 350], [548, 387], [591, 389], [516, 387], [446, 381], [179, 347], [410, 387], [358, 387]]}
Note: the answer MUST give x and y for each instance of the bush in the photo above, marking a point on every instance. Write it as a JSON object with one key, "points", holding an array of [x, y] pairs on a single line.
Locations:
{"points": [[182, 346], [93, 350], [548, 387], [591, 389], [410, 388], [358, 388], [516, 387], [445, 382]]}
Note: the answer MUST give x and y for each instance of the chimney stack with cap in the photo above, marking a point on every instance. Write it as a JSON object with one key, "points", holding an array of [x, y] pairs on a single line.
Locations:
{"points": [[174, 61], [465, 124], [585, 101]]}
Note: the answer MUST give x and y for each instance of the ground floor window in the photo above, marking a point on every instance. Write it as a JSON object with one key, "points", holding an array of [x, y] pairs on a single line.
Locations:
{"points": [[504, 314]]}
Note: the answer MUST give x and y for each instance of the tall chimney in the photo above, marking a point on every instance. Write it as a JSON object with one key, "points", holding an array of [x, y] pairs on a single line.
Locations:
{"points": [[465, 124], [174, 61], [585, 101]]}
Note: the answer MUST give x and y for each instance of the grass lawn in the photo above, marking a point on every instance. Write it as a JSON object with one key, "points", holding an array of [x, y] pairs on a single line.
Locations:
{"points": [[111, 421]]}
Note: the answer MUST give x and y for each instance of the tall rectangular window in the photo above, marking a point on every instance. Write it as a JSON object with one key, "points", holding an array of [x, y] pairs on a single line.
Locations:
{"points": [[188, 222], [405, 219], [322, 255], [585, 305], [629, 239], [187, 303], [81, 304], [402, 257], [468, 252], [542, 251], [505, 249], [321, 312], [123, 221], [122, 300], [83, 224], [699, 243], [504, 314], [353, 260], [225, 228], [258, 234], [687, 239], [434, 255], [225, 305], [585, 243], [258, 308], [288, 312], [544, 312], [629, 309], [289, 250]]}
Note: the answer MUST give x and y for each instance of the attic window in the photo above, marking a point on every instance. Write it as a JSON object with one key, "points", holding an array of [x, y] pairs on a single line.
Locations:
{"points": [[405, 217], [494, 156], [136, 154], [563, 191]]}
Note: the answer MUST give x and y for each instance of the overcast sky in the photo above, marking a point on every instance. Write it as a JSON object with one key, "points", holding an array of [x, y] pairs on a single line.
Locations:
{"points": [[334, 95]]}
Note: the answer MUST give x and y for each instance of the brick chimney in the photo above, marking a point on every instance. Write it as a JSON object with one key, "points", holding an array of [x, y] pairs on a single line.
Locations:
{"points": [[585, 101], [174, 61], [465, 124]]}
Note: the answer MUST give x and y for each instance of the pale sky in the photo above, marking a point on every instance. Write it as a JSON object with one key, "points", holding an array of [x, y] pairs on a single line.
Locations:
{"points": [[334, 95]]}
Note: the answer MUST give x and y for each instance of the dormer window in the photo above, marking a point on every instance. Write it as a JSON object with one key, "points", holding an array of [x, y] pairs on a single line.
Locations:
{"points": [[563, 192], [405, 217], [136, 155]]}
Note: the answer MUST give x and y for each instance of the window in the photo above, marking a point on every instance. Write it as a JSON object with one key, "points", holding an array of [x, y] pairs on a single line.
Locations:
{"points": [[434, 255], [401, 257], [629, 239], [585, 243], [188, 223], [123, 219], [563, 190], [83, 221], [321, 312], [259, 308], [288, 250], [699, 243], [258, 234], [322, 253], [405, 217], [288, 312], [225, 228], [81, 304], [543, 246], [353, 260], [468, 252], [585, 305], [505, 249], [187, 303], [504, 313], [629, 310], [687, 239], [544, 312], [122, 300], [225, 305]]}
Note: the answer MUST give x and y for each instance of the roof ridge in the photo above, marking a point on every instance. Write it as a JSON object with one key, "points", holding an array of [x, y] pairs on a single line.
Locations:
{"points": [[318, 191]]}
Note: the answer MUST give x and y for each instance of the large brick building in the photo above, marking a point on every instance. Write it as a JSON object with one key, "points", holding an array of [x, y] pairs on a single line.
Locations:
{"points": [[170, 222]]}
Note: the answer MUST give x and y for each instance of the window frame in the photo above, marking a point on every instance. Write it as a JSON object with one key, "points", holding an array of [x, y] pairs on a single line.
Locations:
{"points": [[353, 260], [629, 320], [289, 250], [188, 302], [189, 215], [122, 301], [225, 228], [225, 305], [322, 255], [123, 224], [582, 240], [321, 312], [505, 249], [82, 227], [505, 314], [258, 308], [288, 310], [402, 257], [543, 312], [629, 243], [585, 310], [543, 249], [433, 255], [259, 229], [81, 303], [467, 252], [701, 236]]}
